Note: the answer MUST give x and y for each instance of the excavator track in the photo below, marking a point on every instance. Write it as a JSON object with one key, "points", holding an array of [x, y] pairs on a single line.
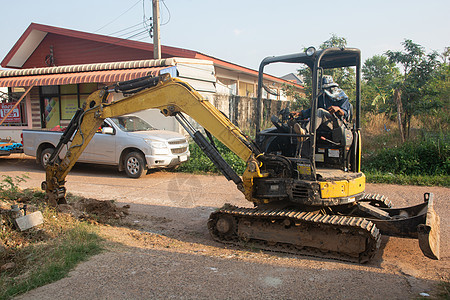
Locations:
{"points": [[298, 232], [377, 200]]}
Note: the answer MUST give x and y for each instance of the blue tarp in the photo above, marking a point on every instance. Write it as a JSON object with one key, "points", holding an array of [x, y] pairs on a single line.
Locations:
{"points": [[9, 146]]}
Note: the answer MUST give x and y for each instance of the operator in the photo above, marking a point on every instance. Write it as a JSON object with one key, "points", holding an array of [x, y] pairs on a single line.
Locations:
{"points": [[332, 108]]}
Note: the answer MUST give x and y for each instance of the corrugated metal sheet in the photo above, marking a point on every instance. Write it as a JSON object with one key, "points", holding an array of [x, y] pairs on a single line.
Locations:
{"points": [[199, 75], [197, 71], [200, 86], [82, 77], [90, 67]]}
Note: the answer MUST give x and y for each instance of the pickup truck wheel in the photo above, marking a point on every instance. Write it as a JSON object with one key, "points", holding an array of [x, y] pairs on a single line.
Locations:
{"points": [[134, 165], [45, 156]]}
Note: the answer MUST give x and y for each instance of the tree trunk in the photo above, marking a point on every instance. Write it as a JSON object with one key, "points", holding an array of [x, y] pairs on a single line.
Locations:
{"points": [[408, 126], [398, 101]]}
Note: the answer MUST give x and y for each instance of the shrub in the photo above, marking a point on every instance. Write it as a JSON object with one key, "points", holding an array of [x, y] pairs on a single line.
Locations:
{"points": [[200, 163], [429, 156]]}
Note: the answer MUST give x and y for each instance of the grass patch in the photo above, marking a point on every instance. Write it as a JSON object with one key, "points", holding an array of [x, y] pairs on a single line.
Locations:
{"points": [[421, 180], [42, 254], [429, 156], [44, 262], [443, 290], [424, 161], [199, 163]]}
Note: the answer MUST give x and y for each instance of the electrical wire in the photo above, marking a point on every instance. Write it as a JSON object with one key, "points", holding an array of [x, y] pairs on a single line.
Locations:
{"points": [[116, 32], [168, 11], [140, 34], [118, 16], [132, 32], [137, 34], [129, 33], [147, 26]]}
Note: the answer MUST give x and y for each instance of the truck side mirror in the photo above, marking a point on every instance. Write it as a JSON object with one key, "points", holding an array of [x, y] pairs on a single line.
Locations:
{"points": [[107, 130]]}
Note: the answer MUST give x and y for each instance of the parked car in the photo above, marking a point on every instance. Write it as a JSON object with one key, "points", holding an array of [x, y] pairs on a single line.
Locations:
{"points": [[126, 141]]}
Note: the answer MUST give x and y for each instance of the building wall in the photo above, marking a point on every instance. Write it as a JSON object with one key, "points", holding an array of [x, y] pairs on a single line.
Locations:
{"points": [[245, 85], [75, 51]]}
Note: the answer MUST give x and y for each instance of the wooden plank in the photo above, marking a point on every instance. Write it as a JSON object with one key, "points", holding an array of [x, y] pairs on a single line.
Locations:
{"points": [[374, 211]]}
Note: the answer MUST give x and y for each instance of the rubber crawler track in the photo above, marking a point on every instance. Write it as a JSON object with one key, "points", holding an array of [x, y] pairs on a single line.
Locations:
{"points": [[377, 200], [349, 225]]}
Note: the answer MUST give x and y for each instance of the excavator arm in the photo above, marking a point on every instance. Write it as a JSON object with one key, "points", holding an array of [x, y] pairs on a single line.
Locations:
{"points": [[172, 97]]}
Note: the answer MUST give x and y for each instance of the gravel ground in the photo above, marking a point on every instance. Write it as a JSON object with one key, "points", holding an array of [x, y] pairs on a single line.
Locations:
{"points": [[164, 249]]}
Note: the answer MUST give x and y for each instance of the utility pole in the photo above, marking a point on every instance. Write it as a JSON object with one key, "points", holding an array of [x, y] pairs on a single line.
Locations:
{"points": [[156, 35]]}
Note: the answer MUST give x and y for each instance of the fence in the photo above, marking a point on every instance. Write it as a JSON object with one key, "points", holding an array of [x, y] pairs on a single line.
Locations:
{"points": [[242, 110]]}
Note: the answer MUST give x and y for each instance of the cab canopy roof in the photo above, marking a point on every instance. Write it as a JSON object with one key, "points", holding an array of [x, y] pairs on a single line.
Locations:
{"points": [[326, 58]]}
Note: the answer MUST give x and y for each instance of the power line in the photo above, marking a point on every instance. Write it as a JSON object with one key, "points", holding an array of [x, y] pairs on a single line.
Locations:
{"points": [[140, 34], [138, 24], [118, 17], [129, 32], [147, 26], [168, 11], [137, 34], [132, 32]]}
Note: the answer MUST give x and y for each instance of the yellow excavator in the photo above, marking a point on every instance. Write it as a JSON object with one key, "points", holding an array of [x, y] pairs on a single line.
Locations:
{"points": [[307, 188]]}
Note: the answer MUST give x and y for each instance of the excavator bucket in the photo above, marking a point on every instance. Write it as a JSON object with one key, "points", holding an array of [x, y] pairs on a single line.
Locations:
{"points": [[429, 233], [420, 222]]}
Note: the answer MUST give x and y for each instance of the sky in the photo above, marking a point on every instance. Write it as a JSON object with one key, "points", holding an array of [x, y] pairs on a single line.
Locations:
{"points": [[246, 31]]}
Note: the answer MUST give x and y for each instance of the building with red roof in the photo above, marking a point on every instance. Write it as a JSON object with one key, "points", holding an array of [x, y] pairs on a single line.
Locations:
{"points": [[52, 65]]}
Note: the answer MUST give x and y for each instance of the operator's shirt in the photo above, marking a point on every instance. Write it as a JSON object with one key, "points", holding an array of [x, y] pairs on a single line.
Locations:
{"points": [[331, 97]]}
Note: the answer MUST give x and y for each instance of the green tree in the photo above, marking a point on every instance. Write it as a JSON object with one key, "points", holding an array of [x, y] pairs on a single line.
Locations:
{"points": [[345, 77], [435, 105], [418, 68], [299, 99], [379, 75], [334, 42]]}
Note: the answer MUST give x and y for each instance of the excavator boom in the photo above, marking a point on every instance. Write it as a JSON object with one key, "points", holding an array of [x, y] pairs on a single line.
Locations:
{"points": [[172, 97]]}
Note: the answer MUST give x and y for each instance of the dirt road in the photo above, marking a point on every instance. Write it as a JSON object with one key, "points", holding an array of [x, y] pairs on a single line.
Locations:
{"points": [[166, 252]]}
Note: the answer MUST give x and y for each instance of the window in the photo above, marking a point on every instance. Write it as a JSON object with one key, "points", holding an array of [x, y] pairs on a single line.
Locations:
{"points": [[69, 100], [132, 124], [61, 102], [246, 89]]}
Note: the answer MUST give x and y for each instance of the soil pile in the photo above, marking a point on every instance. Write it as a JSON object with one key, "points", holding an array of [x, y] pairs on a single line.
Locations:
{"points": [[102, 211]]}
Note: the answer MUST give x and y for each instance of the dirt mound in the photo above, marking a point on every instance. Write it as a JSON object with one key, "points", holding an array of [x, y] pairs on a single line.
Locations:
{"points": [[97, 210]]}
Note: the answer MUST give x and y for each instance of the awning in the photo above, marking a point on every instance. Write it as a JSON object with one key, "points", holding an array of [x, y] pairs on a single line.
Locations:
{"points": [[81, 77]]}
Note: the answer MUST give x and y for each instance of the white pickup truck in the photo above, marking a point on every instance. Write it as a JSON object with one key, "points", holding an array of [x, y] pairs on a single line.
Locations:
{"points": [[126, 141]]}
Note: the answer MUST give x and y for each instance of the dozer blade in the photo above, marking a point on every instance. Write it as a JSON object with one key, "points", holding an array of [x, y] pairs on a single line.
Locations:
{"points": [[429, 233], [419, 221]]}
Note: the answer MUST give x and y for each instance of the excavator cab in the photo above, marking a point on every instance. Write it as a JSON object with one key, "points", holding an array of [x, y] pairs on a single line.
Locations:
{"points": [[325, 148], [324, 162], [316, 156]]}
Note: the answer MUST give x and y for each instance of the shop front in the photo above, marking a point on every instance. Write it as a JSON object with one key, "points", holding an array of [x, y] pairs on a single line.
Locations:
{"points": [[47, 98]]}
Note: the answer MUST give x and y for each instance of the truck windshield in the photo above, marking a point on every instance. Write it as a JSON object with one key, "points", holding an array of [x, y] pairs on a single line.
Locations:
{"points": [[132, 123]]}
